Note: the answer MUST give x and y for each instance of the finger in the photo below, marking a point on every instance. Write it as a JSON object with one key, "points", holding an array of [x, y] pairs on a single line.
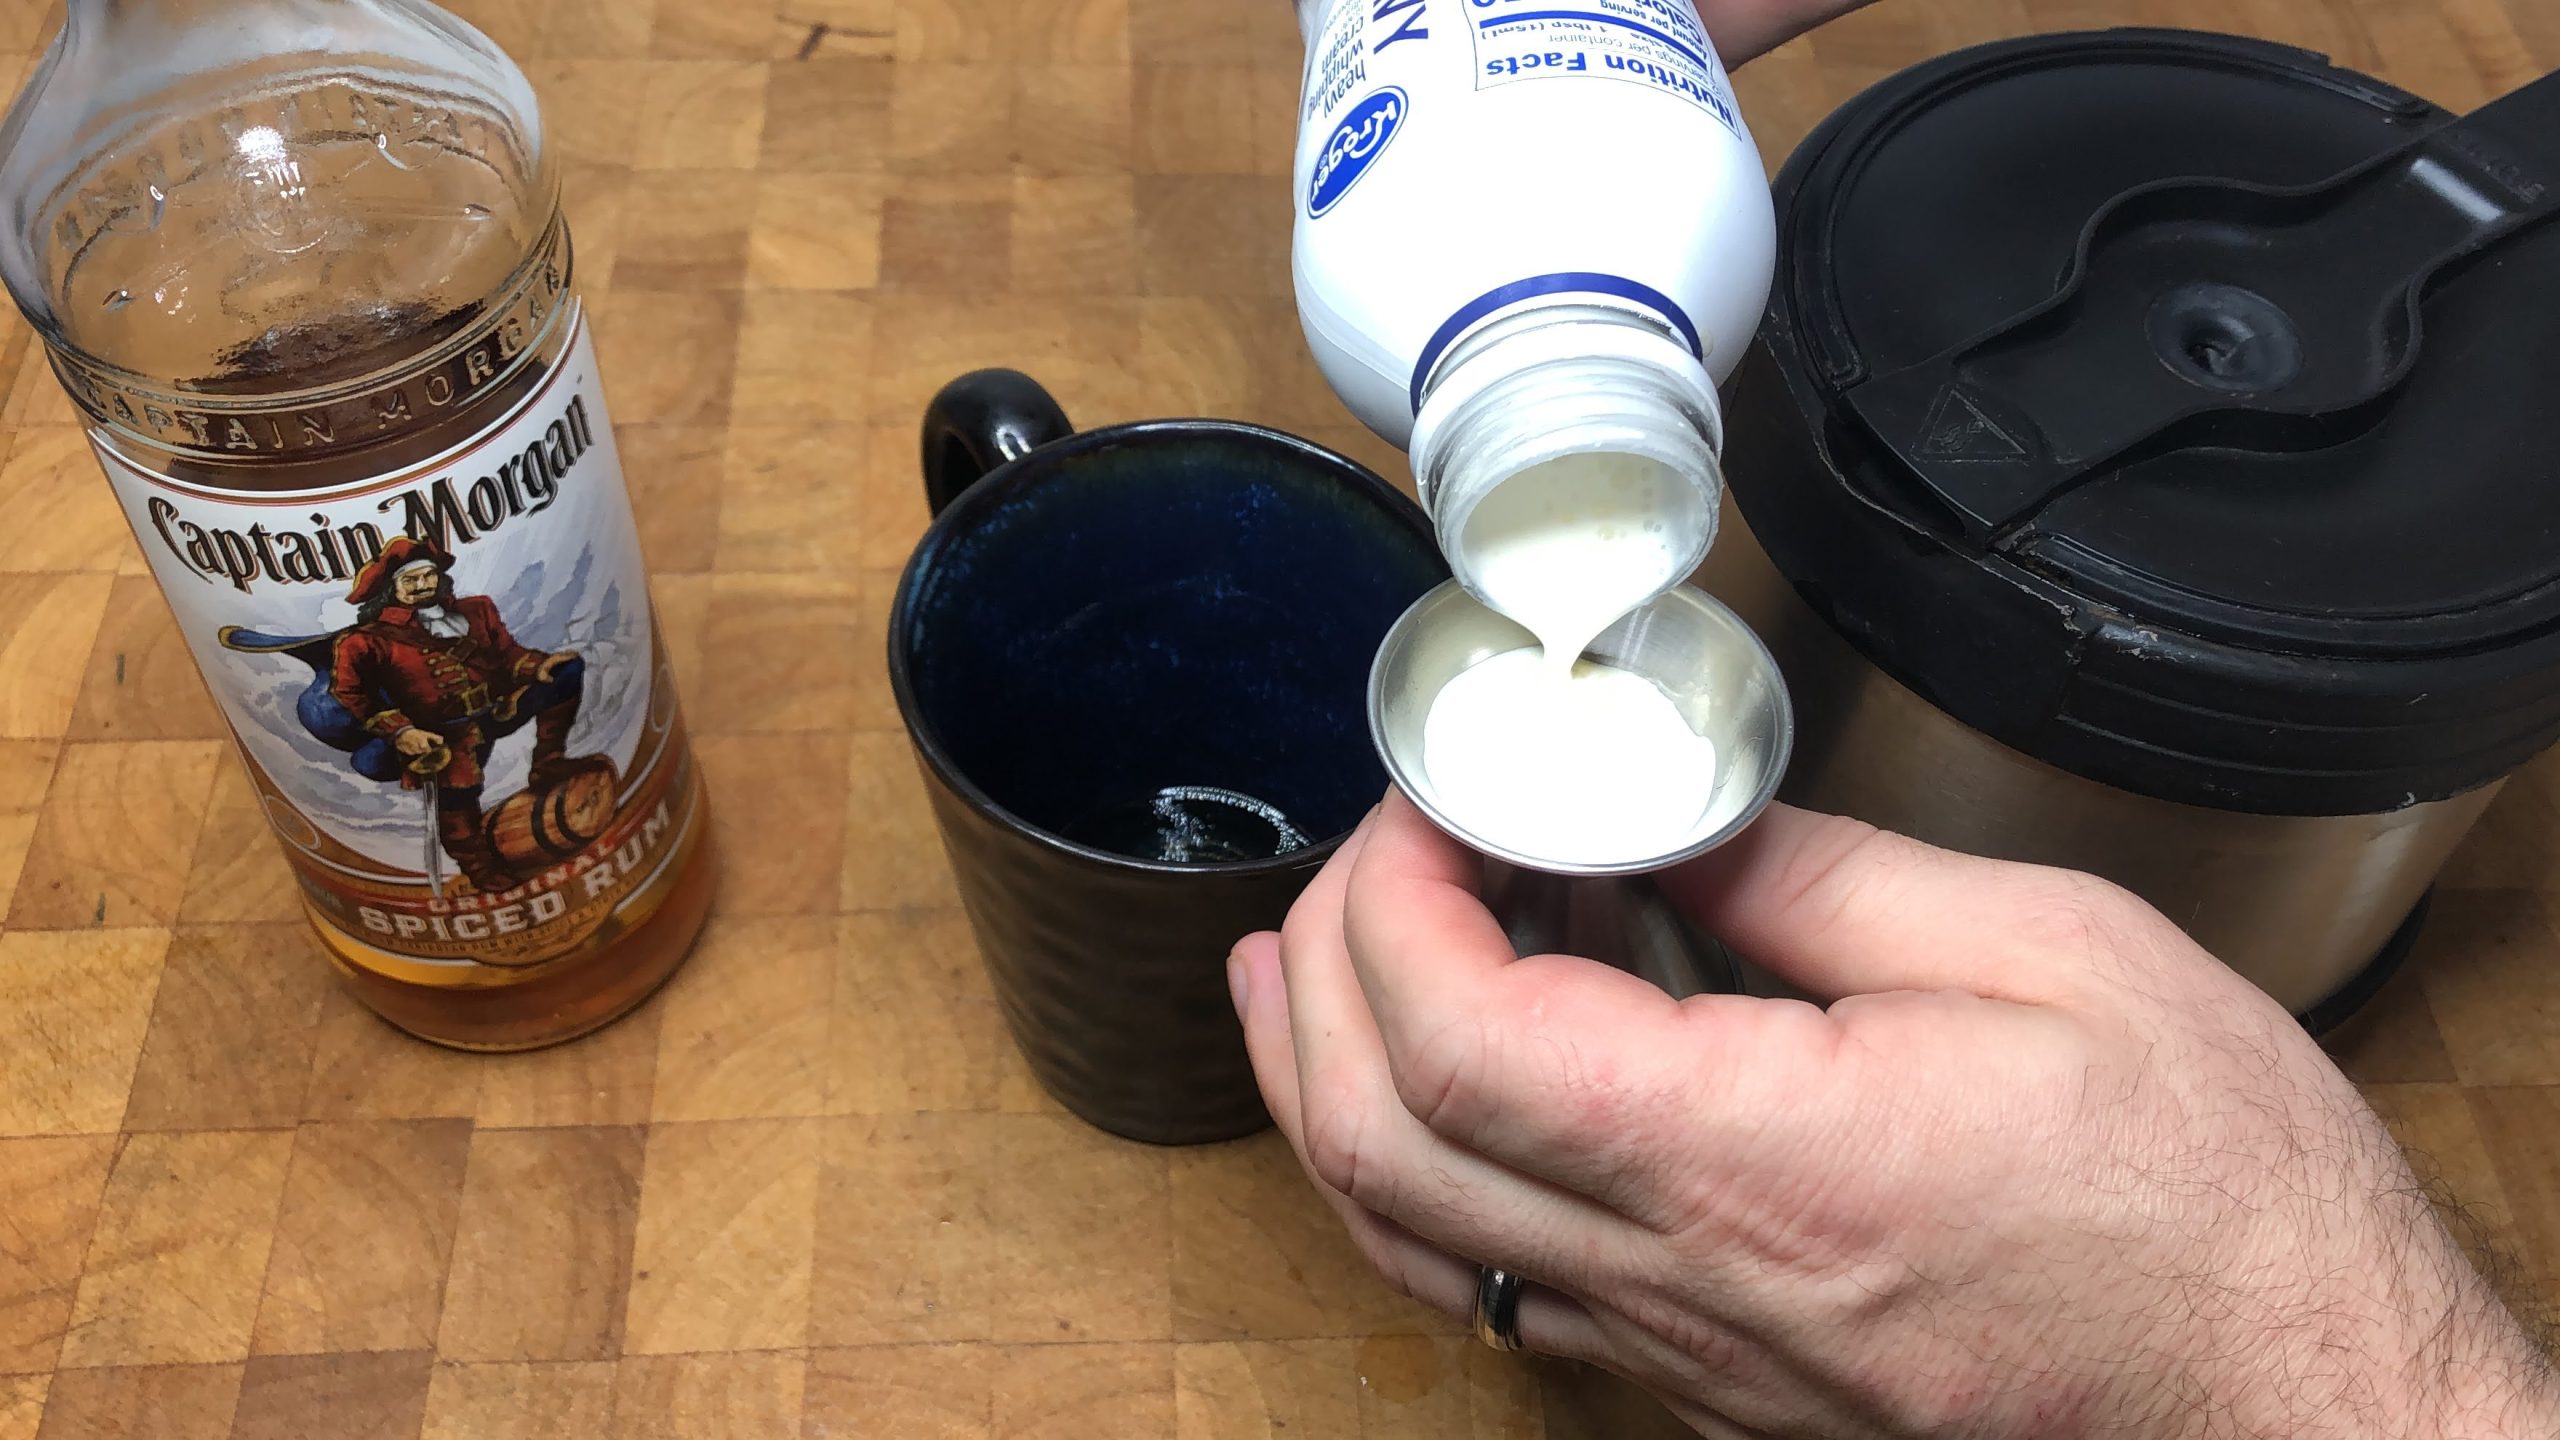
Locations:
{"points": [[1551, 1323], [1707, 1422], [1715, 1362], [1745, 29], [1565, 1068], [1837, 907], [1360, 1139]]}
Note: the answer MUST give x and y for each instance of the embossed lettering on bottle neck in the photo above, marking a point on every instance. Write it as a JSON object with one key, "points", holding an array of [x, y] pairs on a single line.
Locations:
{"points": [[428, 389], [315, 264]]}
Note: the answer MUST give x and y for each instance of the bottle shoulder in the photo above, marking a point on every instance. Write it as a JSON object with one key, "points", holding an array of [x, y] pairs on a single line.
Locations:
{"points": [[227, 218]]}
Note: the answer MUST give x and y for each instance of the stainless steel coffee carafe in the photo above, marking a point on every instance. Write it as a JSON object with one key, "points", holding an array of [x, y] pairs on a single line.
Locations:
{"points": [[2144, 467]]}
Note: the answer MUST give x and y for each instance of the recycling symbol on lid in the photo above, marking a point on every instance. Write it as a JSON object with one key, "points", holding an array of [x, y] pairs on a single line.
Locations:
{"points": [[1956, 429]]}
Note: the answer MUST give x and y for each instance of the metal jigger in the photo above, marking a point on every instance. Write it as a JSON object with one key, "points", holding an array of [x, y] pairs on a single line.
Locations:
{"points": [[1724, 683]]}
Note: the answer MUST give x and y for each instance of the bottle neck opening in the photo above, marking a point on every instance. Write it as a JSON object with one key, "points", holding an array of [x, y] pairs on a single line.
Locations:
{"points": [[1599, 410]]}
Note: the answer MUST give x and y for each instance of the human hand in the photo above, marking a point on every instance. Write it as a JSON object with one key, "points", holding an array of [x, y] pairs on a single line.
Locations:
{"points": [[2046, 1170], [414, 742], [1743, 29]]}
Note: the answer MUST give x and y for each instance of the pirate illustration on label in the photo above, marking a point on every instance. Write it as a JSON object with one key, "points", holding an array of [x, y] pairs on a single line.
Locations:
{"points": [[419, 692]]}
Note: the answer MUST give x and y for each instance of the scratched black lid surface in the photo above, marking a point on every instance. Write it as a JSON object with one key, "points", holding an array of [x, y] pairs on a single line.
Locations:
{"points": [[2178, 409]]}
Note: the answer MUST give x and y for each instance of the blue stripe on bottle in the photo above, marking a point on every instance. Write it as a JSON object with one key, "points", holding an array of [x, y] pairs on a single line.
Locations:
{"points": [[1562, 282], [1687, 51]]}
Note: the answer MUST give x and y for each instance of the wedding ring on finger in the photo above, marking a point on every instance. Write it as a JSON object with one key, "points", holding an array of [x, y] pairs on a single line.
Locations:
{"points": [[1498, 1307]]}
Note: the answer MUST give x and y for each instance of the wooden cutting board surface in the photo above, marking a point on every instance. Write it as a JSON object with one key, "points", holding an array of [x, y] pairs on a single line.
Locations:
{"points": [[810, 1189]]}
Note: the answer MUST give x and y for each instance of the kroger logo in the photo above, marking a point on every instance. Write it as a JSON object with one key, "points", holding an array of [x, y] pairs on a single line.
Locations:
{"points": [[1354, 146]]}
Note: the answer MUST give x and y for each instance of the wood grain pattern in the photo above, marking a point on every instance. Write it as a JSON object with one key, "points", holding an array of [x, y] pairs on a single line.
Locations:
{"points": [[22, 1400], [363, 1238], [932, 1392], [178, 1402], [747, 1035], [233, 1027], [174, 1268], [724, 1249], [708, 1397], [780, 823], [49, 1189], [542, 1258], [47, 623], [73, 1007], [238, 876], [916, 1022], [927, 1224], [1247, 1390], [519, 1401], [1252, 1262], [354, 1076], [783, 653], [26, 769], [116, 835], [772, 520], [57, 514], [354, 1395], [1062, 1392], [141, 683], [811, 1189], [611, 1081]]}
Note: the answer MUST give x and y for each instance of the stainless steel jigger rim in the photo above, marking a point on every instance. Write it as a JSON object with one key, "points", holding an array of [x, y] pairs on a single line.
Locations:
{"points": [[1417, 789]]}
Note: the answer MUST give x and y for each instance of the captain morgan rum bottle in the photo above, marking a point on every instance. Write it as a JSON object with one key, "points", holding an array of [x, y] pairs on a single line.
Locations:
{"points": [[301, 265]]}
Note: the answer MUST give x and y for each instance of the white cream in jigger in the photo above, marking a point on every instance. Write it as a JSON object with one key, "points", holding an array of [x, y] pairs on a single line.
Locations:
{"points": [[1539, 751]]}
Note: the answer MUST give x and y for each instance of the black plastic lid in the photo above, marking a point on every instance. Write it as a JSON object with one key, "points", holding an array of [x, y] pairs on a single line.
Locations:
{"points": [[2180, 410]]}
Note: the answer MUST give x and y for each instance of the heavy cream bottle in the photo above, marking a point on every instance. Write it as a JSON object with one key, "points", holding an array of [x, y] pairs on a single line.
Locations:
{"points": [[302, 267], [1532, 237]]}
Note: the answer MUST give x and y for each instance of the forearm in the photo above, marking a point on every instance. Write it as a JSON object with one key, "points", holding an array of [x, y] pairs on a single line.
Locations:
{"points": [[2494, 1380], [2475, 1371], [2348, 1320], [2458, 1365]]}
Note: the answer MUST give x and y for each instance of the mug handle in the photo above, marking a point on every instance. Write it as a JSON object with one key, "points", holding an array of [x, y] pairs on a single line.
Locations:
{"points": [[980, 421]]}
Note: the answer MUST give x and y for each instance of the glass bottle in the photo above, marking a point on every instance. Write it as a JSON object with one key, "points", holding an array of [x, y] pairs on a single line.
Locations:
{"points": [[302, 267]]}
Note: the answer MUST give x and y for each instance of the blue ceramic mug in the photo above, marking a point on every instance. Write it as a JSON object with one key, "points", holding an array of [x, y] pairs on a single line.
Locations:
{"points": [[1133, 663]]}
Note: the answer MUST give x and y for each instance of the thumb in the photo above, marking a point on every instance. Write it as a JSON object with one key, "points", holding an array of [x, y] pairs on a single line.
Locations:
{"points": [[1836, 907]]}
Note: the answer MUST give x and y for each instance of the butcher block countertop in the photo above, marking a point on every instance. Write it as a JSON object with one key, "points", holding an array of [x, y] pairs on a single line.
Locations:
{"points": [[809, 1189]]}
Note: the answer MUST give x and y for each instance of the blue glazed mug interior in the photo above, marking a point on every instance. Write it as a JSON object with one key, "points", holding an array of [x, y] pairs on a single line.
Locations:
{"points": [[1161, 610]]}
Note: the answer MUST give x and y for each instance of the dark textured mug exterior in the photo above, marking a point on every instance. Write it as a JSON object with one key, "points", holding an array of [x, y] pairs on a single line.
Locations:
{"points": [[1109, 970], [1112, 979]]}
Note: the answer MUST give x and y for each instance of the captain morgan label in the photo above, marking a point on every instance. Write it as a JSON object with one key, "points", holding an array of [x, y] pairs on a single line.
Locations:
{"points": [[446, 681]]}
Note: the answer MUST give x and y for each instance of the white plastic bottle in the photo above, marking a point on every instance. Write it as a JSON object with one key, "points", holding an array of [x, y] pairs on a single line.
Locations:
{"points": [[1532, 237]]}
